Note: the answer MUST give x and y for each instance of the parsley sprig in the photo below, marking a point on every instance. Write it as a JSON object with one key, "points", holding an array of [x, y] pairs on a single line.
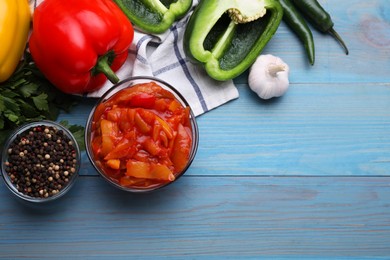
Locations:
{"points": [[29, 96]]}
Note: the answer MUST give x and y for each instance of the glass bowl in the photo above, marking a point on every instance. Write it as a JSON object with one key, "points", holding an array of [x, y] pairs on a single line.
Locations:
{"points": [[40, 161], [132, 139]]}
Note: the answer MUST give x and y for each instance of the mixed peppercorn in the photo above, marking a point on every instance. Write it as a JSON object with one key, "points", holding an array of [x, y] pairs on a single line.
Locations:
{"points": [[41, 161]]}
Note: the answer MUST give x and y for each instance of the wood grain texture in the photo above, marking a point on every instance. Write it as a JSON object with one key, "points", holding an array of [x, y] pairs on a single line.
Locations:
{"points": [[206, 217], [303, 176], [364, 26], [315, 129]]}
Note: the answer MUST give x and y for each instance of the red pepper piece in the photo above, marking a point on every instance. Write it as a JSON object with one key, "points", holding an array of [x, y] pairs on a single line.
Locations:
{"points": [[181, 148], [78, 44], [144, 100]]}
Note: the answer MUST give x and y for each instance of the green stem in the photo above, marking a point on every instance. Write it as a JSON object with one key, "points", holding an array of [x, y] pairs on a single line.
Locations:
{"points": [[104, 67], [332, 32]]}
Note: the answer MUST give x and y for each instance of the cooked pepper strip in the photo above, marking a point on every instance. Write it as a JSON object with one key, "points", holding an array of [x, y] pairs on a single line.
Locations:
{"points": [[319, 18], [153, 16], [15, 20], [226, 36], [296, 22]]}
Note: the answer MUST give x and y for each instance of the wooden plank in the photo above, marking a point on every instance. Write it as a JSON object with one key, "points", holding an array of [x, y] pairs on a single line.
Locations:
{"points": [[206, 217], [320, 129], [315, 129], [364, 26], [303, 176]]}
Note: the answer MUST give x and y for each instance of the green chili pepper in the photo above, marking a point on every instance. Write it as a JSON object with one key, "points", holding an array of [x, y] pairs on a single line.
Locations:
{"points": [[319, 18], [226, 36], [153, 16], [296, 22]]}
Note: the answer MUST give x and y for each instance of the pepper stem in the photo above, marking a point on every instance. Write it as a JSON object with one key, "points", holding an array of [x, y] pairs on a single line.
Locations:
{"points": [[104, 67], [332, 32]]}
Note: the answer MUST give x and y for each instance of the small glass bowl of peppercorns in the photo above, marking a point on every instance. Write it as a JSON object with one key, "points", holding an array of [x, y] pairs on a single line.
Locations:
{"points": [[40, 161]]}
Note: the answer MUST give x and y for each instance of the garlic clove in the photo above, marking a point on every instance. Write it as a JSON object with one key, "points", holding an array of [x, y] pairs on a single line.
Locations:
{"points": [[268, 76]]}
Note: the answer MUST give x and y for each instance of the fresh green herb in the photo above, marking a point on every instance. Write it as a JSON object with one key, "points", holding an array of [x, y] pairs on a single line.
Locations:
{"points": [[78, 132], [29, 96]]}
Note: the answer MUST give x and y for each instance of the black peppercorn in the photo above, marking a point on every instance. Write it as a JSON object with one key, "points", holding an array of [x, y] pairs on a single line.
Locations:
{"points": [[38, 159]]}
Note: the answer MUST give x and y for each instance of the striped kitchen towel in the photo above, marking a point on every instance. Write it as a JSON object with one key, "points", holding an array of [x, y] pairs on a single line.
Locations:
{"points": [[162, 56]]}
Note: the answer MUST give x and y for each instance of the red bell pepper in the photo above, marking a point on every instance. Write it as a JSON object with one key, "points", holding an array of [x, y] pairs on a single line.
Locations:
{"points": [[78, 44]]}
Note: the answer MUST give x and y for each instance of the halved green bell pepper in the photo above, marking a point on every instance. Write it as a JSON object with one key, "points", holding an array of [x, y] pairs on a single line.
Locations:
{"points": [[154, 16], [226, 36]]}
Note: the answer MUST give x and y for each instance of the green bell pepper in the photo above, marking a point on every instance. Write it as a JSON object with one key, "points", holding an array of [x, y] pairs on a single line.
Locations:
{"points": [[226, 36], [154, 16]]}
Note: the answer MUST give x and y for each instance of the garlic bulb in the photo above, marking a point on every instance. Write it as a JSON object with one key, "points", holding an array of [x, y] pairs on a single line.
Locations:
{"points": [[268, 76]]}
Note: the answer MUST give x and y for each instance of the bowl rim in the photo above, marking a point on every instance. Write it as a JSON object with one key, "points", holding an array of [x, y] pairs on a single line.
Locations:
{"points": [[113, 90], [4, 156]]}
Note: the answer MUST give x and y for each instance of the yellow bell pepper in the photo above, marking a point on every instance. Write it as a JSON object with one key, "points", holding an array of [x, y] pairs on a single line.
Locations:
{"points": [[15, 18]]}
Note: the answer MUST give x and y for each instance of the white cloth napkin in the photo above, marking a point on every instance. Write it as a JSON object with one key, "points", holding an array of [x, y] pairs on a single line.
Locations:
{"points": [[162, 56]]}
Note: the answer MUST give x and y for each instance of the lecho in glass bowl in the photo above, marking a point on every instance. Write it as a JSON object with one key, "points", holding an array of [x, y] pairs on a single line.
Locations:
{"points": [[40, 161], [142, 135]]}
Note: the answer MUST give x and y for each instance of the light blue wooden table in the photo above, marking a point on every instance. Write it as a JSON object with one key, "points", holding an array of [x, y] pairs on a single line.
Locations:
{"points": [[303, 176]]}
